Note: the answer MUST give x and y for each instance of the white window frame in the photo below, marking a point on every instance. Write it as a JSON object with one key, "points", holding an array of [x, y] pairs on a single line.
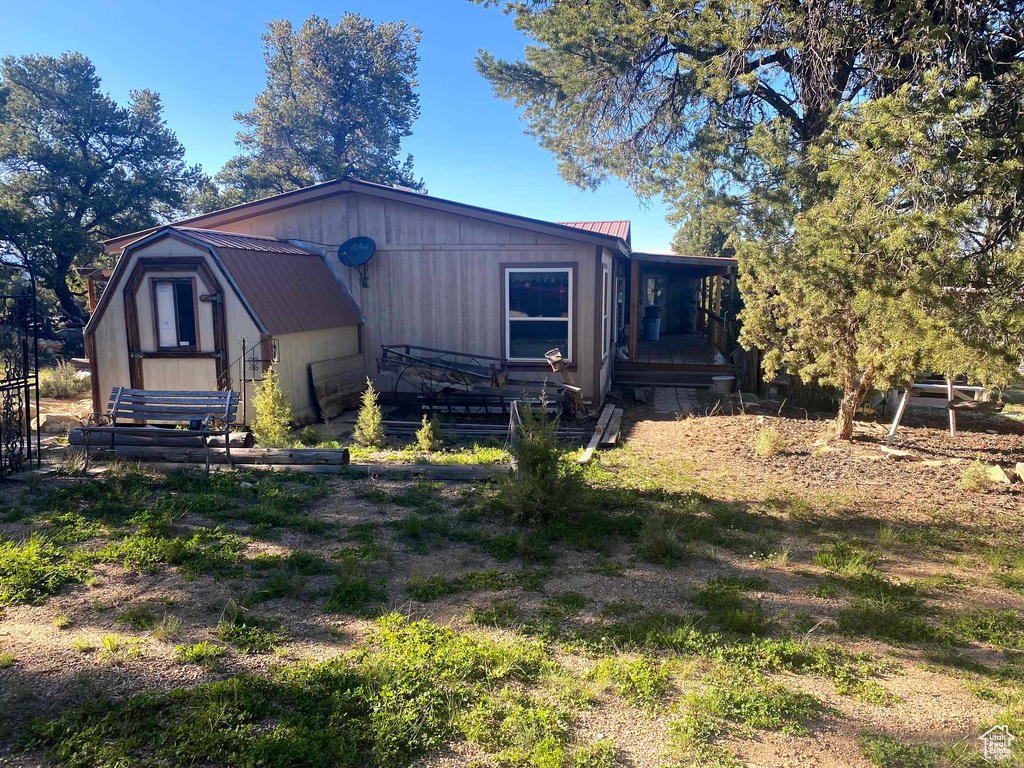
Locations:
{"points": [[509, 319], [606, 312]]}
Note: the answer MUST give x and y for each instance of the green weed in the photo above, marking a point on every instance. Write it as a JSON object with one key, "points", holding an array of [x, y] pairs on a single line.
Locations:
{"points": [[249, 634], [34, 569], [886, 752], [204, 654], [846, 558], [500, 613], [730, 609], [642, 681], [770, 442], [975, 477]]}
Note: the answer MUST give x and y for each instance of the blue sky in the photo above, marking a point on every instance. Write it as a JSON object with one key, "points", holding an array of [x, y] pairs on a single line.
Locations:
{"points": [[206, 62]]}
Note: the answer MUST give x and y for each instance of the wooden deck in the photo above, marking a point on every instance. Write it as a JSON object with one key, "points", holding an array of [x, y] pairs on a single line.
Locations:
{"points": [[689, 349]]}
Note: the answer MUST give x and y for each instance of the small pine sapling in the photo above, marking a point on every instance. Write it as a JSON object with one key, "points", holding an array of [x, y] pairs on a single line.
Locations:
{"points": [[273, 412], [370, 424], [428, 437]]}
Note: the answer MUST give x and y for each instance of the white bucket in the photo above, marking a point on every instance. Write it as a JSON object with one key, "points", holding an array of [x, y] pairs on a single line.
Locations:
{"points": [[723, 384]]}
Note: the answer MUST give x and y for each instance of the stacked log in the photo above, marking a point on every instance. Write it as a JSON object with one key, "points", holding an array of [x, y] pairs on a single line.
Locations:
{"points": [[104, 440]]}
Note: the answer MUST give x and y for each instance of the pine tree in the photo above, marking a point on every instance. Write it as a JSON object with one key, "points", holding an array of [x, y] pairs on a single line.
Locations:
{"points": [[428, 436], [273, 412], [370, 424]]}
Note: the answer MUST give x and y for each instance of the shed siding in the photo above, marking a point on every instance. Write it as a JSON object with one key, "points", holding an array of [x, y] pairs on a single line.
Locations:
{"points": [[295, 353], [111, 336], [436, 279]]}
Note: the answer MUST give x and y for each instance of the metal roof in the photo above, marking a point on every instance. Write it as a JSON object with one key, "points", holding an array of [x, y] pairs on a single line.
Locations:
{"points": [[619, 229], [683, 260], [290, 292], [242, 242]]}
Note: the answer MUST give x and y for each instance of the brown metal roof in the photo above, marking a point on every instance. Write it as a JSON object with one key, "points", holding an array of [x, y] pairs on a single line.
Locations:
{"points": [[290, 292], [242, 242], [619, 229]]}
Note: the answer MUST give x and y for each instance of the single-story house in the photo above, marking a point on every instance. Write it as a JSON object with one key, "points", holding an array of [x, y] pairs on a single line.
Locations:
{"points": [[182, 298]]}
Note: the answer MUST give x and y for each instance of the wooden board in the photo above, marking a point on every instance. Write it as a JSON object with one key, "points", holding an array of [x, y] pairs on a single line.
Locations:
{"points": [[599, 430], [296, 456], [337, 382], [610, 436]]}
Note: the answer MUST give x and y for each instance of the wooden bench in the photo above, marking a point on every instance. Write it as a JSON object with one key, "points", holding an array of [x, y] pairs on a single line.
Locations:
{"points": [[199, 414]]}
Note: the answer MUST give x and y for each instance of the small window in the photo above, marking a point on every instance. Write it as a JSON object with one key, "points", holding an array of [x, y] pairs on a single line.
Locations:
{"points": [[175, 311], [538, 312]]}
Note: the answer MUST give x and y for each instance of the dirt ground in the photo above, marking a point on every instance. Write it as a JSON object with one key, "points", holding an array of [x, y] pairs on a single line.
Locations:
{"points": [[812, 493]]}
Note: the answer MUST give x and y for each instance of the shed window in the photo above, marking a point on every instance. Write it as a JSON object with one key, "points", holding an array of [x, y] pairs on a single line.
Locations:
{"points": [[538, 312], [174, 301]]}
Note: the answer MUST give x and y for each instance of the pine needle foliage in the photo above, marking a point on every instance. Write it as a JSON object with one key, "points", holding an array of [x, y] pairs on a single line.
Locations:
{"points": [[544, 486], [370, 424], [273, 412], [428, 436]]}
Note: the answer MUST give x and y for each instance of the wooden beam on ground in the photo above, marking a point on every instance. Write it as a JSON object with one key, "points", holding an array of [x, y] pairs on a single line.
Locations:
{"points": [[460, 472], [976, 406], [167, 440], [611, 435], [602, 425], [196, 455]]}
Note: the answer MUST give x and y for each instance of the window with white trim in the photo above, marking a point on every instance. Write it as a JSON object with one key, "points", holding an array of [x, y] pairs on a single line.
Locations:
{"points": [[175, 313], [538, 312], [606, 313]]}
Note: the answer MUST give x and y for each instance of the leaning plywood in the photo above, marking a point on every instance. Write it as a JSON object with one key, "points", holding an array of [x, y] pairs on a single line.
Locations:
{"points": [[337, 382]]}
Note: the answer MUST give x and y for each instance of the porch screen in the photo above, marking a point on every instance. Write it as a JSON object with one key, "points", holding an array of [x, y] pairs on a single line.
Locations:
{"points": [[538, 312]]}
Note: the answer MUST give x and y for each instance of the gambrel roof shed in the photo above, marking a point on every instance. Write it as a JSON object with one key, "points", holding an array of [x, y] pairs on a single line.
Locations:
{"points": [[287, 288]]}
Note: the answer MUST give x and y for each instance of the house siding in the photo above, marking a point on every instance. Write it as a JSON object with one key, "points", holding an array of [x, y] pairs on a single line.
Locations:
{"points": [[436, 279], [295, 353]]}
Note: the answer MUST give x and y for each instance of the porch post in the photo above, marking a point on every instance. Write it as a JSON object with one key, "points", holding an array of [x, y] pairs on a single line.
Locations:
{"points": [[634, 308]]}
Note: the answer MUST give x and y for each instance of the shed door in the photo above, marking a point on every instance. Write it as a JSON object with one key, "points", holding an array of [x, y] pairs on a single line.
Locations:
{"points": [[174, 334]]}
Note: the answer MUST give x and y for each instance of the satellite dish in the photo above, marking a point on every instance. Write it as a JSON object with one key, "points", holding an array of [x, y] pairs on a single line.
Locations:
{"points": [[355, 253]]}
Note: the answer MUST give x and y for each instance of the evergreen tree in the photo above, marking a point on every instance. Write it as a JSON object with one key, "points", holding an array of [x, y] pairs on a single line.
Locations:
{"points": [[339, 101], [747, 116], [273, 412], [76, 168], [369, 431]]}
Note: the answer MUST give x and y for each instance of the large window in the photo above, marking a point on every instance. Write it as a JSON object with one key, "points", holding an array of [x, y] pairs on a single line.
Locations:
{"points": [[175, 314], [538, 317]]}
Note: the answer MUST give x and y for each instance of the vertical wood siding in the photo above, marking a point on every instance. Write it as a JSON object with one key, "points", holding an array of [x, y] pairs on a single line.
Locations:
{"points": [[436, 278]]}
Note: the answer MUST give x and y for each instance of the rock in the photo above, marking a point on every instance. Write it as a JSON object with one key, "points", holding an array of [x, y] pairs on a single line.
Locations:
{"points": [[58, 423], [895, 454], [1019, 471], [997, 474], [244, 485]]}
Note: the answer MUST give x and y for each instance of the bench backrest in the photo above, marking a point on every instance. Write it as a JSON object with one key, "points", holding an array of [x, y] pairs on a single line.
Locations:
{"points": [[171, 407]]}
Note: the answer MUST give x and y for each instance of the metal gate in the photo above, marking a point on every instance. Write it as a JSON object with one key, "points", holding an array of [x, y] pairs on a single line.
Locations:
{"points": [[19, 383]]}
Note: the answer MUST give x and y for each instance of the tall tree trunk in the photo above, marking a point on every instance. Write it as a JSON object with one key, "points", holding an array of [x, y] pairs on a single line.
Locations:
{"points": [[68, 303], [854, 391]]}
